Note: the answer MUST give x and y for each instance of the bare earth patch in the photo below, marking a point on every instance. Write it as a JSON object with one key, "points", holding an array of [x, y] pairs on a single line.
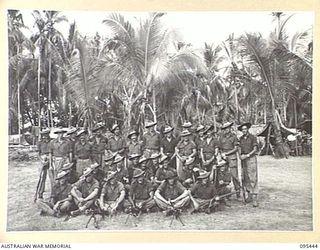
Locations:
{"points": [[285, 204]]}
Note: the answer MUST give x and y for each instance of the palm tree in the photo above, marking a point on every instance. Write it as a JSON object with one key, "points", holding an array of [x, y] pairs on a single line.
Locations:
{"points": [[142, 63], [45, 39]]}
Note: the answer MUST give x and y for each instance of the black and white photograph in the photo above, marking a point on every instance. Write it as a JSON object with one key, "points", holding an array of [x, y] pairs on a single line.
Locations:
{"points": [[149, 121]]}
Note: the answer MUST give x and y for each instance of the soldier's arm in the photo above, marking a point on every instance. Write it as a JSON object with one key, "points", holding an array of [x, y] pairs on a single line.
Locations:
{"points": [[160, 197], [74, 193], [194, 152], [183, 195], [130, 197], [92, 195], [120, 198]]}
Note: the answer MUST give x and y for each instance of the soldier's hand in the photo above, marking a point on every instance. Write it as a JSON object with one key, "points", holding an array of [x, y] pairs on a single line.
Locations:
{"points": [[221, 182], [223, 155], [56, 206]]}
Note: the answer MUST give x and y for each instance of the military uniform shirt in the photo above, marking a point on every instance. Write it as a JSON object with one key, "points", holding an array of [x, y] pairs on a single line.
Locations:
{"points": [[152, 141], [171, 192], [161, 174], [228, 142], [115, 145], [60, 192], [247, 143], [141, 191], [44, 147], [60, 149], [204, 192], [82, 151], [168, 146], [86, 188], [99, 145], [186, 149], [112, 192], [135, 148], [209, 148]]}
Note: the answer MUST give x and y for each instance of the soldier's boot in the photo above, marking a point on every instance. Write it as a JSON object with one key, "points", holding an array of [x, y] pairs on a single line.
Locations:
{"points": [[255, 200], [249, 198]]}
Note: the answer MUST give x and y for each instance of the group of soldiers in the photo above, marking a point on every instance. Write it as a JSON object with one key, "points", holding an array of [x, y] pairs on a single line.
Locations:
{"points": [[196, 170]]}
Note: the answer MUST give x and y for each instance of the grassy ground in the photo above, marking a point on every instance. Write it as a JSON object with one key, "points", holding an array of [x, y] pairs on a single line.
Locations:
{"points": [[285, 204]]}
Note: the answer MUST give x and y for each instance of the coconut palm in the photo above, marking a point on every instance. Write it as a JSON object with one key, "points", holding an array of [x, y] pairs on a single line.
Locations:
{"points": [[142, 63]]}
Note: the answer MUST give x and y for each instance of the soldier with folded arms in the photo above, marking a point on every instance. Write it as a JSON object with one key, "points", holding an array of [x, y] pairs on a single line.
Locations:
{"points": [[85, 192], [141, 192], [171, 194], [112, 194], [151, 139]]}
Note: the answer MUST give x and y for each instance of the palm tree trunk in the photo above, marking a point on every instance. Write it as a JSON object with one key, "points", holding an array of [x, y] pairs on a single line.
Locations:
{"points": [[19, 107], [236, 103], [265, 111], [154, 104], [39, 101], [50, 94]]}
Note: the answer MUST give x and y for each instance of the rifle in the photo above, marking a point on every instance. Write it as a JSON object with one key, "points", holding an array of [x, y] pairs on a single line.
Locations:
{"points": [[175, 214], [133, 211], [39, 183], [241, 180]]}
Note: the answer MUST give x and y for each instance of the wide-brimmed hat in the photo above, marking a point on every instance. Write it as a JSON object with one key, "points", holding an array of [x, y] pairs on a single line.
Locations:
{"points": [[67, 166], [137, 173], [94, 165], [209, 128], [60, 131], [133, 132], [154, 156], [61, 174], [81, 132], [185, 133], [203, 175], [98, 127], [114, 126], [143, 159], [247, 124], [109, 157], [200, 128], [71, 131], [227, 125], [150, 124], [221, 163], [117, 159], [45, 131], [167, 129], [163, 158], [189, 161], [170, 175], [134, 156], [110, 175], [87, 172], [187, 124]]}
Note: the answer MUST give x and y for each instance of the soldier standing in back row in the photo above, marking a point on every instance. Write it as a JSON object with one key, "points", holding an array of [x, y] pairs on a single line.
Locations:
{"points": [[116, 144], [44, 149], [248, 150], [151, 139], [98, 146], [60, 153], [228, 144], [82, 152]]}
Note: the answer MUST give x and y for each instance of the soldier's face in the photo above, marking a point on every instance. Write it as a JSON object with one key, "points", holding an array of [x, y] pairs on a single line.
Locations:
{"points": [[119, 164], [135, 161], [155, 161], [227, 130], [186, 139], [143, 165], [112, 181], [204, 181], [166, 164], [63, 180], [117, 131], [134, 138], [245, 130], [169, 135], [89, 178], [171, 181]]}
